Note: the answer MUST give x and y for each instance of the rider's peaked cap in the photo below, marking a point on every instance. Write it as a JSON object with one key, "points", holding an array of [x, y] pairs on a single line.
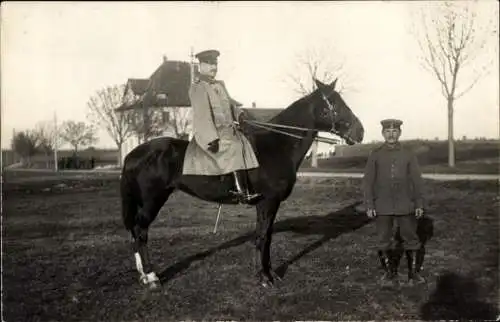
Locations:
{"points": [[391, 124], [208, 56]]}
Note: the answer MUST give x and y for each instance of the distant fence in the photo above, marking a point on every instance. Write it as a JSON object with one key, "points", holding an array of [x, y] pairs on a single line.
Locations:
{"points": [[66, 160]]}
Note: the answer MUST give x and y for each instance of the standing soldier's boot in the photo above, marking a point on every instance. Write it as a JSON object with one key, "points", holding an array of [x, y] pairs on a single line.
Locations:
{"points": [[383, 260], [414, 276], [420, 259], [390, 269], [397, 254], [242, 192]]}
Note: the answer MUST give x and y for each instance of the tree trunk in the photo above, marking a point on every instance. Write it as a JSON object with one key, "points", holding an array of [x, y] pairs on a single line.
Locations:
{"points": [[120, 159], [451, 142], [145, 122], [314, 154]]}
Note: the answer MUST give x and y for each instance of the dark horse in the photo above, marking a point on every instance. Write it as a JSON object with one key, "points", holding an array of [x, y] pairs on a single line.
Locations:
{"points": [[153, 170]]}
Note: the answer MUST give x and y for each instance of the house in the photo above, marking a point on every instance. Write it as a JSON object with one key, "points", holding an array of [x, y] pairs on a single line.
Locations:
{"points": [[160, 103]]}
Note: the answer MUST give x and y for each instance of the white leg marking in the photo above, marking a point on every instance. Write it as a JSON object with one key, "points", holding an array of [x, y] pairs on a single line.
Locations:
{"points": [[138, 264]]}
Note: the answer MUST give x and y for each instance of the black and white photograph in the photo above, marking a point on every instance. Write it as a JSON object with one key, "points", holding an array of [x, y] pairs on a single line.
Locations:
{"points": [[250, 160]]}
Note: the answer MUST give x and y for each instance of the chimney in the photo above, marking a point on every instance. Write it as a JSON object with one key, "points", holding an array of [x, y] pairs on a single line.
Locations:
{"points": [[164, 58], [254, 105]]}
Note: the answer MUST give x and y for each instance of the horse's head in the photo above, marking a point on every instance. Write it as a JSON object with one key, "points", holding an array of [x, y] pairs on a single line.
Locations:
{"points": [[333, 115]]}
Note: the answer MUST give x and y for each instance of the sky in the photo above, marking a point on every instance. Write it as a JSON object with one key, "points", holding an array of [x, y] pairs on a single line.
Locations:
{"points": [[55, 56]]}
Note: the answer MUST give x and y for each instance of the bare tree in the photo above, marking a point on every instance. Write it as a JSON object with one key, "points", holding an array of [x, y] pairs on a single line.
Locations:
{"points": [[179, 120], [322, 64], [46, 135], [78, 134], [102, 113], [454, 42], [25, 144], [152, 127]]}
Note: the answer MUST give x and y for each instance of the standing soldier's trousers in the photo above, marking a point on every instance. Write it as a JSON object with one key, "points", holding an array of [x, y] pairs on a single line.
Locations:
{"points": [[408, 229]]}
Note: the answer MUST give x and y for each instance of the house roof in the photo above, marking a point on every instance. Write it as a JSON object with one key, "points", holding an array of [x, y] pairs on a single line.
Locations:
{"points": [[134, 106], [172, 79], [168, 86], [263, 114], [127, 106], [137, 85]]}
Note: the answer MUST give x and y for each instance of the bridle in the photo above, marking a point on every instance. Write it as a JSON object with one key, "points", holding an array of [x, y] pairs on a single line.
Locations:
{"points": [[273, 127], [332, 111]]}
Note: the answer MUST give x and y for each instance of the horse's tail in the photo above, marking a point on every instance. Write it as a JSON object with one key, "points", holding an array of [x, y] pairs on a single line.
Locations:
{"points": [[130, 196]]}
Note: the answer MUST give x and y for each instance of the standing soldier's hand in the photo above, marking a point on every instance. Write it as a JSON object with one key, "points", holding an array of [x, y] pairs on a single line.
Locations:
{"points": [[371, 213], [419, 212]]}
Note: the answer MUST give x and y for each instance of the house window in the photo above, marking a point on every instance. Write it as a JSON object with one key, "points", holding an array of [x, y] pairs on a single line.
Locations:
{"points": [[165, 116]]}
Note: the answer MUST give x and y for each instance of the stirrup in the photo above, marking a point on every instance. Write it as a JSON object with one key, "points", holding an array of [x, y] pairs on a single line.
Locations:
{"points": [[245, 197], [250, 197]]}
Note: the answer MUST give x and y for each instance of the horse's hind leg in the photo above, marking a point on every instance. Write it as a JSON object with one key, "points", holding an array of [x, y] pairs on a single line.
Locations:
{"points": [[266, 213], [145, 216]]}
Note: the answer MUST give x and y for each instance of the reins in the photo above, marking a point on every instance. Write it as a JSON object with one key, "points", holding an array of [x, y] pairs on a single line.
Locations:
{"points": [[272, 128]]}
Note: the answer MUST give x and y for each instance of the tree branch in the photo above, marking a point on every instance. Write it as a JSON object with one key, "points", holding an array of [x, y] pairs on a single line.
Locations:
{"points": [[102, 112], [313, 64]]}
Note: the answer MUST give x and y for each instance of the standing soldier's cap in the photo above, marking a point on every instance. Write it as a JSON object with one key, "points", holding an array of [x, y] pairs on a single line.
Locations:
{"points": [[391, 124], [208, 56]]}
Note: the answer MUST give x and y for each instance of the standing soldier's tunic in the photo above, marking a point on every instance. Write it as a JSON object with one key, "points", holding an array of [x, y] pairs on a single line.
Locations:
{"points": [[213, 118], [393, 187]]}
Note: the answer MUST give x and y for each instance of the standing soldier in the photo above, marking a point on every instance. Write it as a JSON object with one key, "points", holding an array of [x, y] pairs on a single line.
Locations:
{"points": [[393, 193], [218, 147]]}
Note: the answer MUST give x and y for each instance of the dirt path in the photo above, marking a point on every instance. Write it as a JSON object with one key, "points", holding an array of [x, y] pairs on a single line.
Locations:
{"points": [[432, 176], [25, 175]]}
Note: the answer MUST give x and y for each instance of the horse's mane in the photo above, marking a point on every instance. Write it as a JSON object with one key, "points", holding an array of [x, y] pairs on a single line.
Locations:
{"points": [[283, 117], [284, 114]]}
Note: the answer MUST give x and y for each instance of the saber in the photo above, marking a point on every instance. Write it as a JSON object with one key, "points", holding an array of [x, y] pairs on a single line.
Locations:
{"points": [[217, 220]]}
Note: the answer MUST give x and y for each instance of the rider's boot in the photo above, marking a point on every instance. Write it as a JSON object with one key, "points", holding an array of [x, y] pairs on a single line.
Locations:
{"points": [[243, 194]]}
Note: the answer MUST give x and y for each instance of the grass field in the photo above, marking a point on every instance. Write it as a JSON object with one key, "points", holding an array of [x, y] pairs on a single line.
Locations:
{"points": [[67, 257]]}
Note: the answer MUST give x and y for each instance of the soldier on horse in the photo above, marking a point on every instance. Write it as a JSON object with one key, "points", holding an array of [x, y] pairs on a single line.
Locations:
{"points": [[218, 146]]}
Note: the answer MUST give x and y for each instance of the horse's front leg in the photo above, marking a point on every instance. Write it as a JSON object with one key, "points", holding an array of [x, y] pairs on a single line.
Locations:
{"points": [[266, 213]]}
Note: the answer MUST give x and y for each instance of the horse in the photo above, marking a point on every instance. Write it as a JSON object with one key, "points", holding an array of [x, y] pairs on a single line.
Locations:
{"points": [[153, 171]]}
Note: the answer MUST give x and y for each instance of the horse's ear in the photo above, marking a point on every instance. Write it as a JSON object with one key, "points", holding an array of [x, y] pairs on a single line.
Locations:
{"points": [[332, 85], [319, 84]]}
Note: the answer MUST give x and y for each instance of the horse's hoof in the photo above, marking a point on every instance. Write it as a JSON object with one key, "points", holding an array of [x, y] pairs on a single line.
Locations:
{"points": [[267, 284], [150, 282], [275, 276], [155, 287], [266, 280]]}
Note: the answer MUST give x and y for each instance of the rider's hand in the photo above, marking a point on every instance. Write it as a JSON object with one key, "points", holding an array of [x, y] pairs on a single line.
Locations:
{"points": [[237, 125], [214, 146], [371, 213], [243, 115]]}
